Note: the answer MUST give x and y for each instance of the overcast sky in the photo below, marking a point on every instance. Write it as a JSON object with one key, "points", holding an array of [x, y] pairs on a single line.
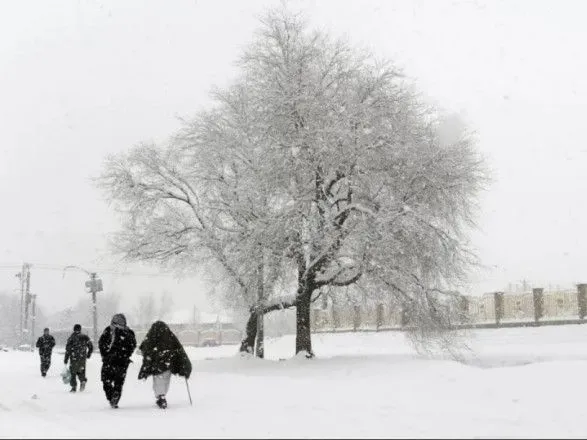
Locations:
{"points": [[81, 79]]}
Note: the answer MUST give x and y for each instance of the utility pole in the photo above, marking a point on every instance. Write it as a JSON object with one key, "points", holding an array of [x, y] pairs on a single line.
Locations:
{"points": [[27, 297], [24, 277], [34, 299], [93, 286]]}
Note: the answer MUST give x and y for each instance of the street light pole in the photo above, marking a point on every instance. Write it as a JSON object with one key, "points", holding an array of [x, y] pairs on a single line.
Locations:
{"points": [[94, 285], [27, 297], [94, 305]]}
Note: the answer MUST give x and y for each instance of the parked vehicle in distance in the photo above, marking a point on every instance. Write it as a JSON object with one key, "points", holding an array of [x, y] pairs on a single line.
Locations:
{"points": [[209, 342]]}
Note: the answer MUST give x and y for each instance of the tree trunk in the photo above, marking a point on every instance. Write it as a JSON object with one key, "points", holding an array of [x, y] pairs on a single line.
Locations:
{"points": [[248, 343], [260, 350], [303, 328]]}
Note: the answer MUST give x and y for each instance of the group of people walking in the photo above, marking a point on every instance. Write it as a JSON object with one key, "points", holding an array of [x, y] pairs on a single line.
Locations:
{"points": [[163, 356]]}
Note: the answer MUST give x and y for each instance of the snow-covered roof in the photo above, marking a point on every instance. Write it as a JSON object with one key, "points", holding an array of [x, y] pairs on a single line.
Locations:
{"points": [[186, 316]]}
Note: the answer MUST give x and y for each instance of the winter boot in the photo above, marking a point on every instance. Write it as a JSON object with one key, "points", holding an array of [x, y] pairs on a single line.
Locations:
{"points": [[73, 390], [161, 402], [82, 385], [114, 400]]}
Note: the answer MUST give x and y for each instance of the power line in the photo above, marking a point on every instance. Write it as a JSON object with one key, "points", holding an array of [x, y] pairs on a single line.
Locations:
{"points": [[55, 267]]}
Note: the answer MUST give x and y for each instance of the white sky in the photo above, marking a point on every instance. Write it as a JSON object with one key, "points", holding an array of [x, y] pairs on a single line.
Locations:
{"points": [[81, 79]]}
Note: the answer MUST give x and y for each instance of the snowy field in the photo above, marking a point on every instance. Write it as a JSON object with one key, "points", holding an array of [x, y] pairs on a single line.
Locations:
{"points": [[516, 383]]}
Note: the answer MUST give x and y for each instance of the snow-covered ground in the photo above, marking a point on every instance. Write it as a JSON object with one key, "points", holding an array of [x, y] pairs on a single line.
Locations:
{"points": [[516, 383]]}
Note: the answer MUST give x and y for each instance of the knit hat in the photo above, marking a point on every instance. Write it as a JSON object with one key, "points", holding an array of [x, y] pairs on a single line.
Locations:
{"points": [[77, 328], [118, 320]]}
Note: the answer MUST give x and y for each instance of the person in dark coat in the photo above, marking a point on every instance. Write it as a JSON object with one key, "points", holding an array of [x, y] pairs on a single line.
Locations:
{"points": [[45, 345], [163, 355], [117, 344], [78, 348]]}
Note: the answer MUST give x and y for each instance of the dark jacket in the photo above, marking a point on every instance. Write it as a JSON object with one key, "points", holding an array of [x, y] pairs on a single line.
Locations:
{"points": [[119, 350], [45, 345], [162, 352], [78, 348]]}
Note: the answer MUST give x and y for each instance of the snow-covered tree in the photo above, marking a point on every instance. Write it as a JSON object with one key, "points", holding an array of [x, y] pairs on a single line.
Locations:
{"points": [[10, 313], [193, 207], [165, 305], [318, 162], [107, 304], [144, 312], [148, 308]]}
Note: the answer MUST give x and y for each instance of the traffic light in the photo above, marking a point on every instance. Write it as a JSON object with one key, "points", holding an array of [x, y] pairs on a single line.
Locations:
{"points": [[94, 285]]}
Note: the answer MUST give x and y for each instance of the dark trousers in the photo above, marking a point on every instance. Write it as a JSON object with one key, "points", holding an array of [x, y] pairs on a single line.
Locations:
{"points": [[45, 363], [79, 371], [113, 376]]}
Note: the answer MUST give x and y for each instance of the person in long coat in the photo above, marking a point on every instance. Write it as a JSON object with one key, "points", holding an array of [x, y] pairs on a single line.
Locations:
{"points": [[117, 344], [163, 355]]}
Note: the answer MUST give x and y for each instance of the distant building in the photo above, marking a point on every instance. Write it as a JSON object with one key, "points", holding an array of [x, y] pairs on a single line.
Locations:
{"points": [[195, 328]]}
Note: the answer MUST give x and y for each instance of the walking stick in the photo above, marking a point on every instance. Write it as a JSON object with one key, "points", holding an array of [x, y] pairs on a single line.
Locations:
{"points": [[187, 385]]}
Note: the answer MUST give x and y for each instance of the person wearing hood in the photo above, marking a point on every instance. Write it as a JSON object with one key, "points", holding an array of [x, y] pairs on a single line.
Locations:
{"points": [[163, 355], [117, 344]]}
